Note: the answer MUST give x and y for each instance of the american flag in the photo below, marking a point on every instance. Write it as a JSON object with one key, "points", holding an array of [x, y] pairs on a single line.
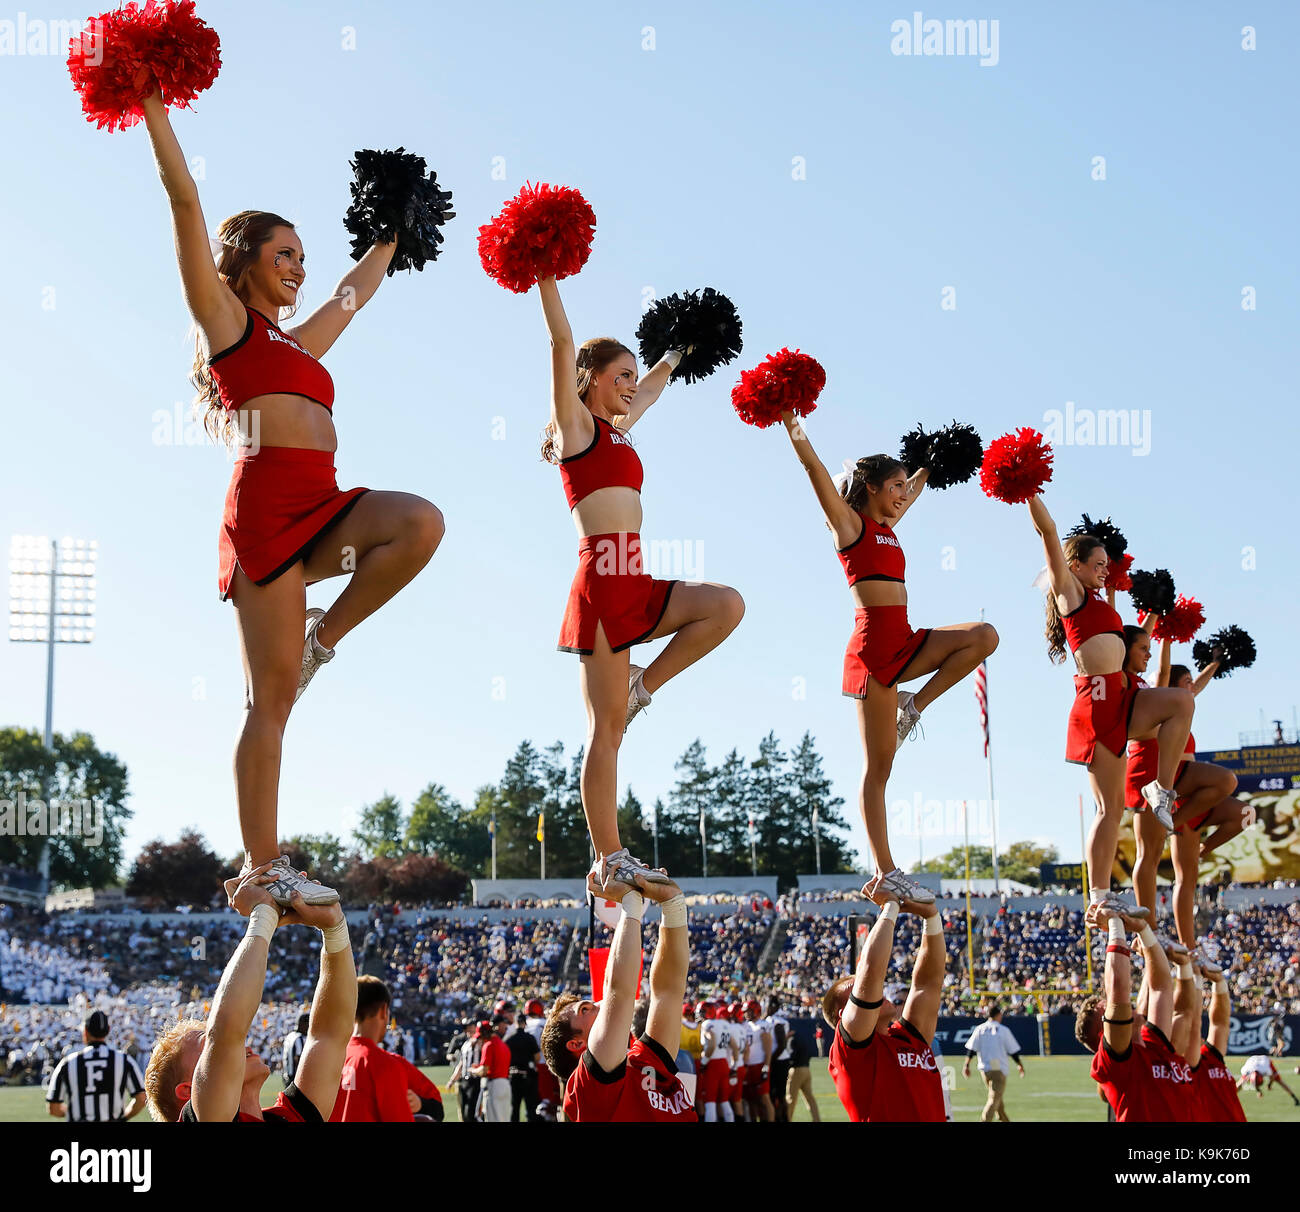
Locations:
{"points": [[982, 698]]}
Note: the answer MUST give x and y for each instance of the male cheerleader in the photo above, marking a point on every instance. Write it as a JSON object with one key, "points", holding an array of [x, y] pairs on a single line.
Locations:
{"points": [[1214, 1087], [202, 1071], [718, 1050], [758, 1065], [1256, 1069], [882, 1063], [586, 1043], [378, 1086], [1141, 1074]]}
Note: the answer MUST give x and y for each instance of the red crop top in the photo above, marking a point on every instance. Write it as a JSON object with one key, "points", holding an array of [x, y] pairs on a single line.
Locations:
{"points": [[1093, 617], [875, 555], [609, 462], [266, 361]]}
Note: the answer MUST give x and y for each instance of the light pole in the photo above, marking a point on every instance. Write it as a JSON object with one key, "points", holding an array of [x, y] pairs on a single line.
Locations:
{"points": [[51, 601]]}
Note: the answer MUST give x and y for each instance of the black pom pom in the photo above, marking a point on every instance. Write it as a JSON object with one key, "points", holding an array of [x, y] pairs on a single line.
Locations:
{"points": [[1112, 539], [702, 319], [1152, 591], [1236, 650], [956, 453], [392, 197], [915, 449]]}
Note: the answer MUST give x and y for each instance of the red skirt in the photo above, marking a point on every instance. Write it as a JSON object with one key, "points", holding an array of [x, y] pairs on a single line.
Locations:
{"points": [[1103, 704], [280, 500], [882, 646], [611, 588]]}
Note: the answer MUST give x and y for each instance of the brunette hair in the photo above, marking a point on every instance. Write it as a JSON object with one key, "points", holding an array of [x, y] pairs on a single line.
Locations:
{"points": [[1086, 1027], [371, 994], [556, 1035], [874, 470], [1177, 673], [593, 356], [242, 237], [1132, 634], [1076, 547]]}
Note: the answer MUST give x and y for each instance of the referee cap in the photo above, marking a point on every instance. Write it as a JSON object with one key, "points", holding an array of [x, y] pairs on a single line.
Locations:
{"points": [[96, 1024]]}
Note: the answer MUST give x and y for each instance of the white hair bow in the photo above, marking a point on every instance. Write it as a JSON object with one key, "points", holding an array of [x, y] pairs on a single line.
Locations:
{"points": [[216, 247], [845, 476], [1043, 580]]}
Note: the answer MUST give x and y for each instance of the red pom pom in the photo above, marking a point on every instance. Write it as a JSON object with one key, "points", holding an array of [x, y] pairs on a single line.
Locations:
{"points": [[1182, 622], [1016, 466], [543, 231], [185, 54], [782, 382], [1117, 573], [107, 63], [121, 56]]}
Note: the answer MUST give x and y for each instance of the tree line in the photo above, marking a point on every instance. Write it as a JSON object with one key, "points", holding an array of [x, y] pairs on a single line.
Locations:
{"points": [[735, 817]]}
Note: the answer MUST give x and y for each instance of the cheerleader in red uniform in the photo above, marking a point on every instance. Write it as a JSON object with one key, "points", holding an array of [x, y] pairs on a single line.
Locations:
{"points": [[1109, 706], [614, 603], [286, 523], [884, 649], [1205, 800]]}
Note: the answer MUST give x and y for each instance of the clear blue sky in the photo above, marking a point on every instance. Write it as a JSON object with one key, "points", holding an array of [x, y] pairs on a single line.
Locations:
{"points": [[922, 172]]}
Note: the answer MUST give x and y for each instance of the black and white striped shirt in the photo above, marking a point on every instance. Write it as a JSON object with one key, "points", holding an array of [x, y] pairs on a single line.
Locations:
{"points": [[95, 1084], [294, 1043]]}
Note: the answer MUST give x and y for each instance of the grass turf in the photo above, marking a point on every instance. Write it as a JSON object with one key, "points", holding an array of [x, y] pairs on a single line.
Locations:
{"points": [[1054, 1089]]}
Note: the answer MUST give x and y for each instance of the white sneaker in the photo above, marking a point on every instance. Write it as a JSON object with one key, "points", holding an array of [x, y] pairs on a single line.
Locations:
{"points": [[1118, 904], [621, 866], [908, 718], [314, 653], [1160, 800], [287, 881], [903, 887], [637, 695], [1213, 969]]}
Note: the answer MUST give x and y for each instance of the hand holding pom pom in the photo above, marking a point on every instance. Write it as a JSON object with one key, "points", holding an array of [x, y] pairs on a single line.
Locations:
{"points": [[392, 199], [1112, 539], [1182, 622], [1152, 591], [1016, 466], [1230, 646], [544, 231], [703, 324], [124, 55], [783, 382], [953, 455]]}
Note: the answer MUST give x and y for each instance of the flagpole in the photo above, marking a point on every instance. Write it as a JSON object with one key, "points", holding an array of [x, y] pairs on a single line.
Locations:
{"points": [[817, 840], [654, 833], [970, 945], [493, 831], [988, 758], [704, 847]]}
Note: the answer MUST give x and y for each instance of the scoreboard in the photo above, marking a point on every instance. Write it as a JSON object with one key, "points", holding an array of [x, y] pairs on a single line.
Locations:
{"points": [[1259, 768]]}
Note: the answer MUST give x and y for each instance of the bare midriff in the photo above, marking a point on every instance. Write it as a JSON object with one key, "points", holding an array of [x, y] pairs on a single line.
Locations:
{"points": [[287, 420], [612, 510], [1099, 655]]}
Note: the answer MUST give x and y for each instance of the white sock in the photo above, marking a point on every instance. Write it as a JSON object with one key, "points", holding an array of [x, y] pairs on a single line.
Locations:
{"points": [[710, 1113], [728, 1115]]}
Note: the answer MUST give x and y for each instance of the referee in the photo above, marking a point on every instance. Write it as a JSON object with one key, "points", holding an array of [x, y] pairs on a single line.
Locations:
{"points": [[98, 1083], [294, 1043]]}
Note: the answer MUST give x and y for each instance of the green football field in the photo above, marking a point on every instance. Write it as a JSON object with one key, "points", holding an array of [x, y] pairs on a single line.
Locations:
{"points": [[1054, 1089]]}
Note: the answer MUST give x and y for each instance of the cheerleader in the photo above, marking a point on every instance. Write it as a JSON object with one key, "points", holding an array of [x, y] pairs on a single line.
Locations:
{"points": [[286, 523], [1109, 706], [863, 514], [614, 603]]}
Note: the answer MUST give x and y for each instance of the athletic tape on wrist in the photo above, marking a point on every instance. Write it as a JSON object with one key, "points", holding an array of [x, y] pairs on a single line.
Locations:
{"points": [[673, 357], [889, 911], [336, 938], [634, 906], [262, 922], [1220, 985], [1115, 929], [934, 925], [1185, 972], [674, 911], [1148, 937]]}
